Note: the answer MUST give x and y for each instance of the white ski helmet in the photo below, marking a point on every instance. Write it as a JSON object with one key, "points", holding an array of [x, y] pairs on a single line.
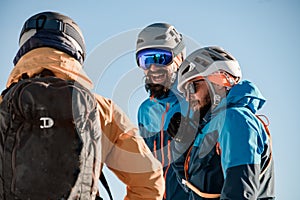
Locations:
{"points": [[161, 36], [213, 63]]}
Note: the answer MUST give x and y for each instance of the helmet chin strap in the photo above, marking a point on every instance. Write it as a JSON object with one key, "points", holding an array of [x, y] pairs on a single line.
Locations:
{"points": [[174, 73], [216, 98], [175, 65], [190, 119], [173, 77]]}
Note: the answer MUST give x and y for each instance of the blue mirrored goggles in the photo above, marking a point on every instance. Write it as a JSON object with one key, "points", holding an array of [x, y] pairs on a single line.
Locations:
{"points": [[158, 57]]}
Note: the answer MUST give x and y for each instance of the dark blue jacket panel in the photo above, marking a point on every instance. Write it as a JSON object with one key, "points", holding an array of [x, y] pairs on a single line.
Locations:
{"points": [[153, 118]]}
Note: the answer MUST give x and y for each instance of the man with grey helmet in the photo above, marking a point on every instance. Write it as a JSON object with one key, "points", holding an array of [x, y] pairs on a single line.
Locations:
{"points": [[231, 156], [160, 50], [52, 45]]}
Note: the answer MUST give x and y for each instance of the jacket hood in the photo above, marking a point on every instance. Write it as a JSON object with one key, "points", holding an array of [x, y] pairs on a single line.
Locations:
{"points": [[244, 94], [60, 63]]}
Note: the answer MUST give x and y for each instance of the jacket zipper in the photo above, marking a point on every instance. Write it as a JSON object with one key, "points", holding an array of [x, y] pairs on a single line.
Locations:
{"points": [[169, 164]]}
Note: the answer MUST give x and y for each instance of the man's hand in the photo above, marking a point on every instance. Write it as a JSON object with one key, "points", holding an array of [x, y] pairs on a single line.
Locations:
{"points": [[181, 128], [174, 124]]}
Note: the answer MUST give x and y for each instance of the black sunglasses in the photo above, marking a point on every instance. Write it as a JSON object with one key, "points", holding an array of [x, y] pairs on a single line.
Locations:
{"points": [[191, 87]]}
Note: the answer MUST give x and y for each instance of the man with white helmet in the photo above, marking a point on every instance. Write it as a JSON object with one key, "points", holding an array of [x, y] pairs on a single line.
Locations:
{"points": [[159, 52], [231, 157], [51, 44]]}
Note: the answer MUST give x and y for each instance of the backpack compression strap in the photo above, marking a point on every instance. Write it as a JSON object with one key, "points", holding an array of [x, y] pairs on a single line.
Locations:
{"points": [[106, 186]]}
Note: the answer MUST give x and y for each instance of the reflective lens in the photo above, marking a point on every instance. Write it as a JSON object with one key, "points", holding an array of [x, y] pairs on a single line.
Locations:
{"points": [[159, 57], [192, 87]]}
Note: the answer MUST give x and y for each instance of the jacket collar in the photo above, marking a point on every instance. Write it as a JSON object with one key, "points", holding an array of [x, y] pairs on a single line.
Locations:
{"points": [[61, 64]]}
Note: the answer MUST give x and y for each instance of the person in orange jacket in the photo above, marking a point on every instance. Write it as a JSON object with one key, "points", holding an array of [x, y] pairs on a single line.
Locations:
{"points": [[53, 42]]}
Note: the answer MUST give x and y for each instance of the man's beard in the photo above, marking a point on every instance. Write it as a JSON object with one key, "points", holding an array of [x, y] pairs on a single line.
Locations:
{"points": [[158, 90], [203, 109]]}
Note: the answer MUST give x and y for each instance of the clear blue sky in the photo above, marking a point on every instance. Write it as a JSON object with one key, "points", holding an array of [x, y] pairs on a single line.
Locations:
{"points": [[262, 34]]}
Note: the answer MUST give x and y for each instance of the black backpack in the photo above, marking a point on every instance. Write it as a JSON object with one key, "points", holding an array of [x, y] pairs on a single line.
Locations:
{"points": [[49, 141]]}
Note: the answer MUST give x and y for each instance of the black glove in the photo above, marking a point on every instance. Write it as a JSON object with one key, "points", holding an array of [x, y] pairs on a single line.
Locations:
{"points": [[98, 198], [174, 124], [182, 129]]}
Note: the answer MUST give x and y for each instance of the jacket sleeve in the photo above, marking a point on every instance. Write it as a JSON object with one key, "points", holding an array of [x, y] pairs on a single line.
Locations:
{"points": [[242, 182], [242, 145], [126, 154]]}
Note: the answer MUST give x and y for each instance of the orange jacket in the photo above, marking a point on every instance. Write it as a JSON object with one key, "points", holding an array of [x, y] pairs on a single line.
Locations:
{"points": [[123, 150]]}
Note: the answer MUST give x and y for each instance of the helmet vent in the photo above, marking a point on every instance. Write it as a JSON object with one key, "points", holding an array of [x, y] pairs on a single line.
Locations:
{"points": [[172, 33], [161, 37], [201, 61], [224, 54], [140, 41], [40, 22], [175, 31], [228, 57], [186, 70], [212, 56]]}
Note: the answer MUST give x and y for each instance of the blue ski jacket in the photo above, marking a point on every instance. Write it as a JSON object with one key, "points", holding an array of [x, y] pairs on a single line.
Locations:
{"points": [[231, 157], [154, 115]]}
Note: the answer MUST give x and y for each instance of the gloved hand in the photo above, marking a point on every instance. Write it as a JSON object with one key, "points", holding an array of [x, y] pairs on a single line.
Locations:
{"points": [[181, 128], [174, 124], [98, 198]]}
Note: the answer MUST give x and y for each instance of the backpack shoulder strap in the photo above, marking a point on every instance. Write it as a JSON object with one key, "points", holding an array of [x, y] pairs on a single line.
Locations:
{"points": [[105, 185], [266, 124]]}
